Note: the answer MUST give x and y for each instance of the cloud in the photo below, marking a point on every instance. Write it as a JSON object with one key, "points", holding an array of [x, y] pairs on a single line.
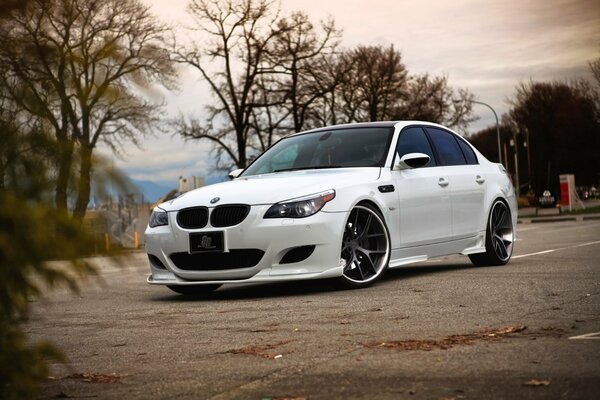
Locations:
{"points": [[164, 158]]}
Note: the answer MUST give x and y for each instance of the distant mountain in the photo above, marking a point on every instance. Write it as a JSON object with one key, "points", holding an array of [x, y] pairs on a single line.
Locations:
{"points": [[153, 190]]}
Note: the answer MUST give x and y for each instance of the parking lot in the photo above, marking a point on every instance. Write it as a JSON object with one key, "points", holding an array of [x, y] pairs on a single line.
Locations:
{"points": [[441, 329]]}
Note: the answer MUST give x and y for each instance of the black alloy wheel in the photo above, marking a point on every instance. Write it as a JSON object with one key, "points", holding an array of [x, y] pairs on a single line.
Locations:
{"points": [[499, 237], [365, 248]]}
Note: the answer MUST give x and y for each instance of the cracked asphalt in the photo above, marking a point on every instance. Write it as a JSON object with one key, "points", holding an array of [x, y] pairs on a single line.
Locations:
{"points": [[441, 329]]}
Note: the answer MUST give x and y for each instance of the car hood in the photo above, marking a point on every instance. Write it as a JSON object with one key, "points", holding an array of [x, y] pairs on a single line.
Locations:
{"points": [[272, 188]]}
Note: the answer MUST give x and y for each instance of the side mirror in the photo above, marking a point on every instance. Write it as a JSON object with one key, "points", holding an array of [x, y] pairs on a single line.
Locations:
{"points": [[235, 173], [412, 160]]}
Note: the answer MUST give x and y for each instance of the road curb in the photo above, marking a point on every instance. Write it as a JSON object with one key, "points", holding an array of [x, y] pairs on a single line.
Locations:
{"points": [[540, 220], [570, 218]]}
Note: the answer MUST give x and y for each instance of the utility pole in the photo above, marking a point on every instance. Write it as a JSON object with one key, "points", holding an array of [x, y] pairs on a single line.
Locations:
{"points": [[527, 144], [515, 144]]}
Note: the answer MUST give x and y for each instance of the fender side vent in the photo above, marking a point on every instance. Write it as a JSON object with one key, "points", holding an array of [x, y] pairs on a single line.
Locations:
{"points": [[386, 188]]}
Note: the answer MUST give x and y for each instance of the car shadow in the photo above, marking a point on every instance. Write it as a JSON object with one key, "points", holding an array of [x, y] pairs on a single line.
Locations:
{"points": [[308, 287], [425, 269]]}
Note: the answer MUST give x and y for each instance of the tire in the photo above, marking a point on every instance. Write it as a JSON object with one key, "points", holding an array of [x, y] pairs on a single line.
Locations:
{"points": [[499, 237], [366, 248], [194, 290]]}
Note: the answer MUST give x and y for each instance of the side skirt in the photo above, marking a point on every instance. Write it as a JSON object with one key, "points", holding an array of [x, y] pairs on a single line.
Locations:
{"points": [[464, 246]]}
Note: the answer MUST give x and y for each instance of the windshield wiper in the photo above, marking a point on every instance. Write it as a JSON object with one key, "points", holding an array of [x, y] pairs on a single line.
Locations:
{"points": [[307, 167]]}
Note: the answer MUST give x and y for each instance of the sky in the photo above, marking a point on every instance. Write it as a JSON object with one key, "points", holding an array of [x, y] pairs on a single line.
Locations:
{"points": [[485, 46]]}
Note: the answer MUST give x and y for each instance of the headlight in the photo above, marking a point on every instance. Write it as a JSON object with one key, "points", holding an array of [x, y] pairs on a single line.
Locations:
{"points": [[158, 218], [301, 207]]}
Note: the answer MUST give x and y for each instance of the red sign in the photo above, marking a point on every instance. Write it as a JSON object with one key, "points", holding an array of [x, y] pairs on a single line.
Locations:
{"points": [[564, 193], [567, 188]]}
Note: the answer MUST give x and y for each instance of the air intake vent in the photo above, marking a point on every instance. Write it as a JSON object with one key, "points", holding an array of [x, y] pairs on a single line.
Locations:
{"points": [[155, 261], [193, 218], [229, 215], [297, 254], [241, 258]]}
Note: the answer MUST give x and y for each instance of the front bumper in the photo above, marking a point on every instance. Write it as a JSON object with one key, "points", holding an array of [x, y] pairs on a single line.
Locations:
{"points": [[273, 236]]}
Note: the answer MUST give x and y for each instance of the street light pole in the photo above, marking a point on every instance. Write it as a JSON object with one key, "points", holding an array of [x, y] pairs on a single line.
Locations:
{"points": [[528, 158], [497, 126]]}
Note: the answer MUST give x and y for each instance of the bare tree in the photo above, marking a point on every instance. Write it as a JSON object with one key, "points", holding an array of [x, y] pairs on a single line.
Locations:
{"points": [[297, 55], [231, 62], [562, 121], [270, 119], [271, 76], [430, 98], [332, 72], [374, 84], [85, 66], [595, 67], [30, 66]]}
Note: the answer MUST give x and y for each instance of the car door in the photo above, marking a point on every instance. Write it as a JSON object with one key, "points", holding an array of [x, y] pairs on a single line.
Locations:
{"points": [[466, 182], [423, 194]]}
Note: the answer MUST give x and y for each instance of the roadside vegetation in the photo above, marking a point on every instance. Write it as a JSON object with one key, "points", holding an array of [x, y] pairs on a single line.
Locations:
{"points": [[588, 210], [61, 93], [32, 232], [552, 128]]}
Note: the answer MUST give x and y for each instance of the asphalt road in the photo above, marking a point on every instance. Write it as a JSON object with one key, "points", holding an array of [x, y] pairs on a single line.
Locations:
{"points": [[442, 329]]}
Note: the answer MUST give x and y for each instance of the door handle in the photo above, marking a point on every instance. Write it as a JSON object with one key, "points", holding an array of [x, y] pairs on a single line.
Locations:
{"points": [[443, 182], [479, 179]]}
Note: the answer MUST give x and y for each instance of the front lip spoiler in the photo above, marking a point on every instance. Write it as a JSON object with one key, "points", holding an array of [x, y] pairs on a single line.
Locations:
{"points": [[261, 277]]}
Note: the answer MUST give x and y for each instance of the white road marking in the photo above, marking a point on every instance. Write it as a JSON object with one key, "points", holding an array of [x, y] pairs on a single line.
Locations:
{"points": [[586, 225], [593, 335], [557, 249]]}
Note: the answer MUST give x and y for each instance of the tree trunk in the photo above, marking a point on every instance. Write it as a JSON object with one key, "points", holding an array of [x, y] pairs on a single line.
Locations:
{"points": [[241, 144], [242, 158], [293, 94], [373, 109], [84, 185], [65, 161], [333, 114]]}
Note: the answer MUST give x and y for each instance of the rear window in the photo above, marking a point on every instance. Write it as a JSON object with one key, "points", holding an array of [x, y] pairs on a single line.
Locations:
{"points": [[446, 146], [467, 151]]}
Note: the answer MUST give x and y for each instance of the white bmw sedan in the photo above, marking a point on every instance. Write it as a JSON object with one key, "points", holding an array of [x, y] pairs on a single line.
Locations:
{"points": [[344, 202]]}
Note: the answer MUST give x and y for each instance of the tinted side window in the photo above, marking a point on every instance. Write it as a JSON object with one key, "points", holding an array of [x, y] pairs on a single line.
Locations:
{"points": [[413, 140], [447, 147], [467, 151]]}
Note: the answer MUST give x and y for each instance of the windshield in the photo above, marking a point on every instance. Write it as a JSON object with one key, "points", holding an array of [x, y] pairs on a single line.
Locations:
{"points": [[336, 148]]}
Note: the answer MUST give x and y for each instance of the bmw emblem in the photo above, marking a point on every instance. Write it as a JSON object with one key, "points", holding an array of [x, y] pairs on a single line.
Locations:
{"points": [[213, 201]]}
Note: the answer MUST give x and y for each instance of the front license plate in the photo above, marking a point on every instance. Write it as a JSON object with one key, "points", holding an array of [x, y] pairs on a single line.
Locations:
{"points": [[201, 242]]}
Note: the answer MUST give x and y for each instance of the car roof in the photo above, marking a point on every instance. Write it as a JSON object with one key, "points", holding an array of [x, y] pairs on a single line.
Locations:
{"points": [[378, 124]]}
